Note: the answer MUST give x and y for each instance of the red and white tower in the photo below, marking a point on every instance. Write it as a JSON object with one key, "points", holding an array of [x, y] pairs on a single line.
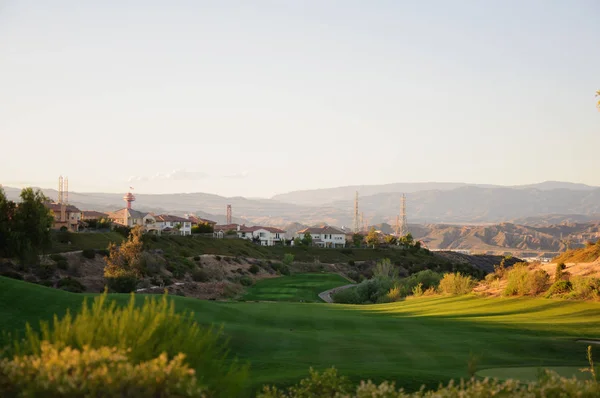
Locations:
{"points": [[129, 198]]}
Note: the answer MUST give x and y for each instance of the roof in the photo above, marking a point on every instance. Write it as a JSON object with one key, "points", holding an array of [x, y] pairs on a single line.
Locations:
{"points": [[257, 227], [93, 214], [55, 207], [131, 213], [226, 227], [198, 220], [322, 230], [170, 218]]}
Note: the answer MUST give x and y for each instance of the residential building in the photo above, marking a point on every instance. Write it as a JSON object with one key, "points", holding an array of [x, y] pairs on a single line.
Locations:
{"points": [[173, 224], [93, 215], [65, 216], [197, 220], [131, 218], [268, 236], [325, 236]]}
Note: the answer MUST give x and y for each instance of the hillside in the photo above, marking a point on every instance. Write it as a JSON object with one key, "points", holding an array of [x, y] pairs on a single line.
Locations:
{"points": [[589, 253], [449, 203]]}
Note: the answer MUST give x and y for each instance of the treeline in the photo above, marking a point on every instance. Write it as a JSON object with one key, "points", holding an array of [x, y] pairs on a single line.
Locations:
{"points": [[24, 226]]}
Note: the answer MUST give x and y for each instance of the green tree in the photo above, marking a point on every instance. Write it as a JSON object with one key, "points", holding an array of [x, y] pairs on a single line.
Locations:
{"points": [[7, 213], [31, 225], [390, 239], [372, 238], [297, 241], [307, 240], [202, 228], [406, 240], [357, 240], [124, 263]]}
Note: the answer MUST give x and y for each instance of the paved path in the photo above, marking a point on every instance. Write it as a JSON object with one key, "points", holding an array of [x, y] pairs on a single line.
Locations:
{"points": [[326, 295]]}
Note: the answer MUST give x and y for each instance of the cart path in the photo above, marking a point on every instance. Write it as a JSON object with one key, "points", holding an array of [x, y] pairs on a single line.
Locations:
{"points": [[326, 295]]}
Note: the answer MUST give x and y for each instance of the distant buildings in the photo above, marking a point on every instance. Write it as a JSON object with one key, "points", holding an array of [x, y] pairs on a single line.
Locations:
{"points": [[266, 236], [325, 236]]}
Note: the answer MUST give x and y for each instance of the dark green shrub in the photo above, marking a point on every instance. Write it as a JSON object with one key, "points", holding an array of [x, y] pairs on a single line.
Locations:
{"points": [[62, 264], [196, 258], [288, 259], [122, 284], [88, 253], [281, 268], [11, 274], [45, 271], [71, 285], [103, 252], [254, 269], [62, 237], [246, 281], [140, 331], [218, 258], [351, 263], [167, 281], [559, 287], [57, 257], [200, 275]]}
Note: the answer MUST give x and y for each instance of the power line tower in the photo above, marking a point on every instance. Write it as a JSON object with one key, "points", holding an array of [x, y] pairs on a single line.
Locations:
{"points": [[66, 193], [356, 225], [403, 230], [229, 214], [397, 228], [60, 189], [362, 222]]}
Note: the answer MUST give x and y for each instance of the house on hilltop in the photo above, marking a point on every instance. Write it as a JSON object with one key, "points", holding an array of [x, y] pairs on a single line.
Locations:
{"points": [[65, 216], [173, 224], [267, 236], [324, 236]]}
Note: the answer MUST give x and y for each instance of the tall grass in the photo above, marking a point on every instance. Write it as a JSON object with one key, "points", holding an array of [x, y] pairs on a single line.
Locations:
{"points": [[456, 284], [145, 332]]}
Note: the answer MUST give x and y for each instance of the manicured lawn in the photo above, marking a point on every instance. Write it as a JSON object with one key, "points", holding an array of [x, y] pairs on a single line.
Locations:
{"points": [[415, 342], [296, 287]]}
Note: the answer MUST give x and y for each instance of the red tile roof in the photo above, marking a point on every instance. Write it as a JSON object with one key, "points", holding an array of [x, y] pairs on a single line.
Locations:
{"points": [[169, 218]]}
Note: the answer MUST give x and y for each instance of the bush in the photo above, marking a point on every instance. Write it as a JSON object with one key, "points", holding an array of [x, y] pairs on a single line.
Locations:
{"points": [[11, 274], [522, 282], [196, 258], [254, 269], [103, 252], [88, 253], [558, 273], [102, 372], [585, 288], [281, 268], [218, 258], [367, 292], [45, 271], [351, 263], [140, 331], [71, 285], [330, 384], [558, 288], [288, 258], [246, 281], [57, 257], [63, 264], [122, 284], [456, 284], [200, 275]]}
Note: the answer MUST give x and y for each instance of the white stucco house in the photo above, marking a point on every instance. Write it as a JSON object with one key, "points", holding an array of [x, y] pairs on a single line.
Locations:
{"points": [[173, 224], [268, 236], [325, 236]]}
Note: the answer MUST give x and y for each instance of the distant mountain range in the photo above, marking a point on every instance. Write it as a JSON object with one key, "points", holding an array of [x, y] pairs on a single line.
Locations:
{"points": [[427, 203]]}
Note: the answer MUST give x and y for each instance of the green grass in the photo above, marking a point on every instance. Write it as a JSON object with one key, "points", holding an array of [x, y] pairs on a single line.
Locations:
{"points": [[414, 342], [83, 240], [296, 287]]}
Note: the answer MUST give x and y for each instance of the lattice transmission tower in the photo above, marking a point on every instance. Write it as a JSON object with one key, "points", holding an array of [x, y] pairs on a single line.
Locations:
{"points": [[403, 228], [356, 220]]}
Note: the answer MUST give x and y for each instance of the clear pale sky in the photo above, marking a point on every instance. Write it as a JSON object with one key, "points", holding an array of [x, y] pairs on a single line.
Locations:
{"points": [[255, 98]]}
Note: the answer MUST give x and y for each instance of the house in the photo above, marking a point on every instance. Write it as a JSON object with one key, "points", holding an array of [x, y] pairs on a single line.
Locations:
{"points": [[197, 220], [173, 224], [267, 236], [93, 215], [65, 216], [131, 218], [325, 236]]}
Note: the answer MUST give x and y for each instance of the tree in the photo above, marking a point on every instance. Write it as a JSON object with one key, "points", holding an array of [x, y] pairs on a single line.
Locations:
{"points": [[123, 264], [31, 225], [406, 240], [298, 241], [390, 239], [307, 240], [7, 213], [372, 238], [202, 228], [357, 240]]}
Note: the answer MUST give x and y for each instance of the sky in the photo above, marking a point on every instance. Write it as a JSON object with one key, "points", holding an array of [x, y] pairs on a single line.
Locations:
{"points": [[241, 98]]}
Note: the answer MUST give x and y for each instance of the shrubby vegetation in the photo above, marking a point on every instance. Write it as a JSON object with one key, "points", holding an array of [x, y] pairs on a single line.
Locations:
{"points": [[522, 282], [386, 285], [331, 384], [141, 333]]}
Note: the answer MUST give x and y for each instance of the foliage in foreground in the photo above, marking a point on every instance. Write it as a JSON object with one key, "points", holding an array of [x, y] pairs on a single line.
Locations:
{"points": [[143, 332], [329, 384], [103, 372], [456, 284]]}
